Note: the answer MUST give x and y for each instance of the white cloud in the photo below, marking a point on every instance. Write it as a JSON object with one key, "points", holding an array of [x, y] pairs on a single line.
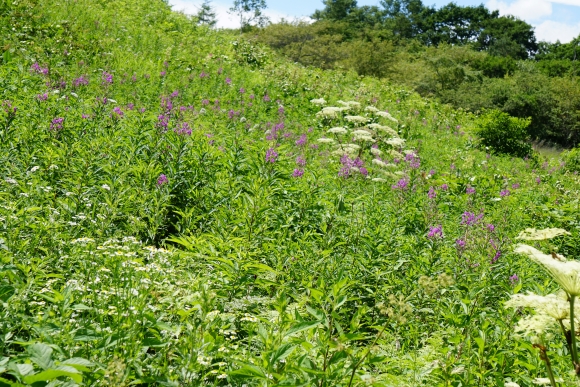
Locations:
{"points": [[536, 12], [224, 18], [551, 31], [568, 2], [523, 9]]}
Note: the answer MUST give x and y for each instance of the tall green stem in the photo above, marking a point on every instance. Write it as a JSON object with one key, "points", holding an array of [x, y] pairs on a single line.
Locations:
{"points": [[549, 368], [573, 333]]}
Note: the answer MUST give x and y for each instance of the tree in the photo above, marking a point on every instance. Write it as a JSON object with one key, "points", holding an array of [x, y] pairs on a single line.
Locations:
{"points": [[206, 14], [335, 10], [250, 13], [406, 18], [454, 24], [508, 36]]}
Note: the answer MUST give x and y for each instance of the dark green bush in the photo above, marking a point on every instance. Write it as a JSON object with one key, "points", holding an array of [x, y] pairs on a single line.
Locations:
{"points": [[572, 159], [248, 53], [502, 134]]}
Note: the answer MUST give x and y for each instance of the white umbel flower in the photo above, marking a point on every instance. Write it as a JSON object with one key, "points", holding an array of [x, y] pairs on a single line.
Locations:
{"points": [[386, 115], [376, 151], [544, 381], [318, 101], [356, 119], [553, 305], [371, 109], [329, 112], [565, 273], [395, 141], [395, 154], [362, 136], [337, 130], [325, 140], [535, 326], [385, 129], [531, 234], [350, 104], [379, 163]]}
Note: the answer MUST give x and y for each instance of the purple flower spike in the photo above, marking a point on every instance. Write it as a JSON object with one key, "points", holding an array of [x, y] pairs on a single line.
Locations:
{"points": [[435, 232], [297, 173], [432, 194], [401, 184], [161, 180], [302, 140], [117, 110], [107, 78], [271, 155], [57, 123], [514, 279]]}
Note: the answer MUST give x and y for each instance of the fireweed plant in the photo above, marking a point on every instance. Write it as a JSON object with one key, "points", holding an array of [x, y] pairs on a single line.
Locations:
{"points": [[179, 207]]}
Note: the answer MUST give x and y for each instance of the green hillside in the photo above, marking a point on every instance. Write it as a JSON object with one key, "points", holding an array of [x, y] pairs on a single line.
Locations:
{"points": [[179, 207]]}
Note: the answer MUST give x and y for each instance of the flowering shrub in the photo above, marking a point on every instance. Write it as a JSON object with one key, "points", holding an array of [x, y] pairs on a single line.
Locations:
{"points": [[182, 217]]}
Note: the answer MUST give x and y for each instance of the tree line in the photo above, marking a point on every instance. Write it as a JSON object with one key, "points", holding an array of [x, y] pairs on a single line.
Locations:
{"points": [[467, 56]]}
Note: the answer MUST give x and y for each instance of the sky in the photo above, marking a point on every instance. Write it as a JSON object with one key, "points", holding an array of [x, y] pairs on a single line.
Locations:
{"points": [[552, 19]]}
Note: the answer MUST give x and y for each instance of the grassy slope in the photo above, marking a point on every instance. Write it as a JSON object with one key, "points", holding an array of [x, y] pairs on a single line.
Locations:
{"points": [[268, 278]]}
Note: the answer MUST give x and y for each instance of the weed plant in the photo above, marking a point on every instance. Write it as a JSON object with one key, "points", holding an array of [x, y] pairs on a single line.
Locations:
{"points": [[179, 208]]}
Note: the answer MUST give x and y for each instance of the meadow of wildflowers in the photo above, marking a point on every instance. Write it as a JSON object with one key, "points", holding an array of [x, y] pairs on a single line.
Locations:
{"points": [[174, 212]]}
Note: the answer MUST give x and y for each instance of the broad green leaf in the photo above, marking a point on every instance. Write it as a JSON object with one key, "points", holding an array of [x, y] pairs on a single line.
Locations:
{"points": [[78, 363], [41, 355], [248, 371], [52, 374], [281, 353], [302, 327], [6, 291]]}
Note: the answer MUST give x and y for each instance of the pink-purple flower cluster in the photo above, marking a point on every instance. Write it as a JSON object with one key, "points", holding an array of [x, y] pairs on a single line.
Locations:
{"points": [[435, 232], [117, 110], [349, 165], [80, 81], [184, 129], [271, 155], [413, 160], [402, 184], [301, 140], [432, 194], [57, 123], [298, 172], [469, 218], [36, 68], [161, 180], [107, 78]]}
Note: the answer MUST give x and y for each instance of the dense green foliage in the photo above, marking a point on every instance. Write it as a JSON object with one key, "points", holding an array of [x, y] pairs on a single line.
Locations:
{"points": [[469, 57], [502, 134], [175, 211]]}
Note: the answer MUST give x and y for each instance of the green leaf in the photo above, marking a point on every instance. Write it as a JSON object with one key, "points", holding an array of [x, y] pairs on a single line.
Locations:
{"points": [[53, 373], [41, 354], [78, 363], [302, 327], [281, 353], [248, 371], [315, 312], [6, 291]]}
